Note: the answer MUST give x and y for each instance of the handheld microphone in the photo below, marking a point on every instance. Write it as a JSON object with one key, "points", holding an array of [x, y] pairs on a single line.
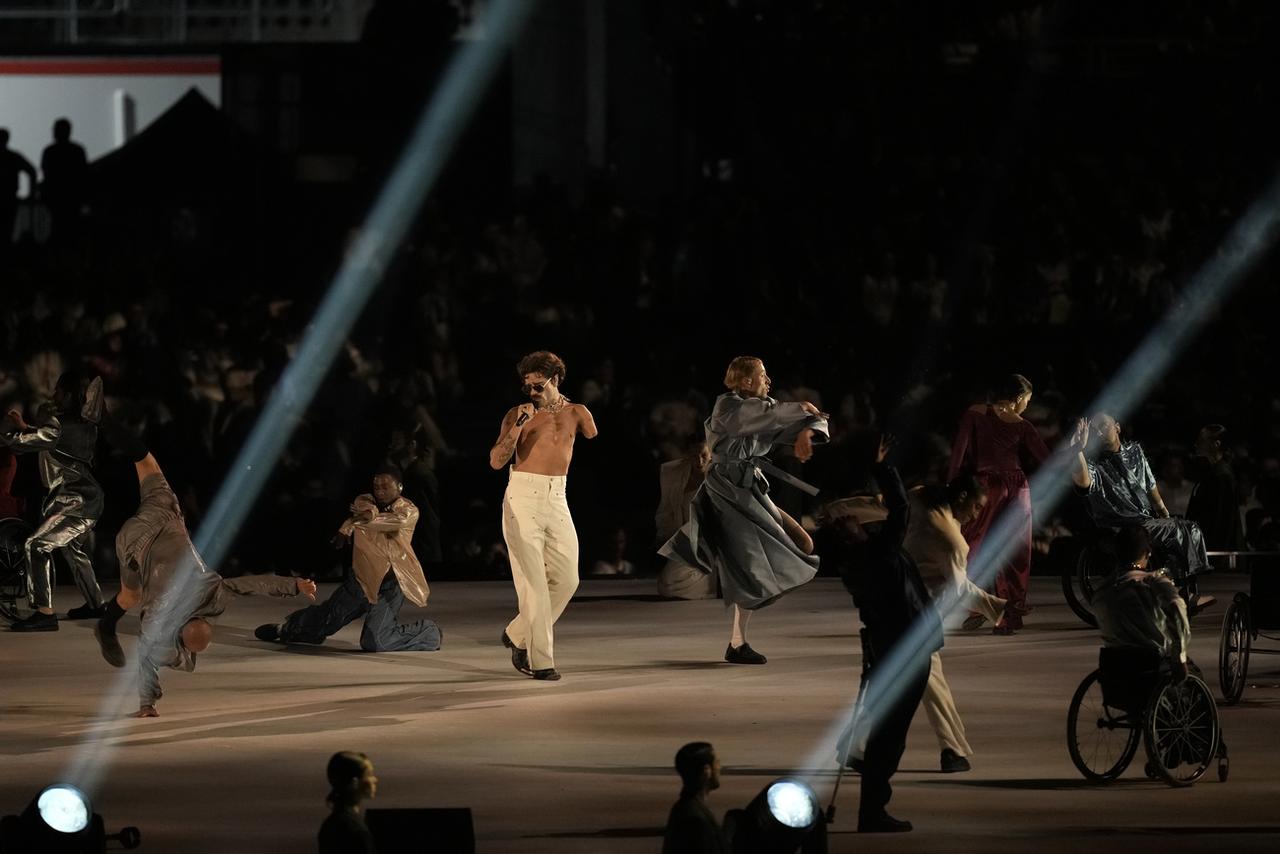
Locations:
{"points": [[524, 416]]}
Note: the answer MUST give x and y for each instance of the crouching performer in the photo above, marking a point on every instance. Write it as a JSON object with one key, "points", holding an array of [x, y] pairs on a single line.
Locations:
{"points": [[384, 572]]}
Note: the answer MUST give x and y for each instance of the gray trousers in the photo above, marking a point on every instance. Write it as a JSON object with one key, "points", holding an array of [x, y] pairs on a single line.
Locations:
{"points": [[382, 632], [73, 536]]}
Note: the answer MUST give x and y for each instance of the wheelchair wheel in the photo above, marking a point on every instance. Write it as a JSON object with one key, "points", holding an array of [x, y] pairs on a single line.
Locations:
{"points": [[1233, 650], [1100, 739], [13, 565], [1080, 581], [1181, 731]]}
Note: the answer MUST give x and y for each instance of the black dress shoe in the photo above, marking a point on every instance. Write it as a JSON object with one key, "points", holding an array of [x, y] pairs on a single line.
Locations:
{"points": [[109, 644], [36, 622], [268, 632], [743, 655], [883, 823], [548, 674], [953, 762], [519, 657], [87, 612]]}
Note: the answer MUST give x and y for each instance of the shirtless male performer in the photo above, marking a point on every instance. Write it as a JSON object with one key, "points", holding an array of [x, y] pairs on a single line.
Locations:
{"points": [[541, 541]]}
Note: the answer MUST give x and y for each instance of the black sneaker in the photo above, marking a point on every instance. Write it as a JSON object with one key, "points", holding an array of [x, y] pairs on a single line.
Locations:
{"points": [[549, 674], [269, 632], [883, 823], [743, 655], [87, 612], [36, 622], [109, 644], [953, 762]]}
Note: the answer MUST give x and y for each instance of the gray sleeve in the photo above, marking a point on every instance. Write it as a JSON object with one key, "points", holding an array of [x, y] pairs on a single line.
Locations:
{"points": [[156, 649], [42, 438], [765, 418], [263, 585], [1148, 479]]}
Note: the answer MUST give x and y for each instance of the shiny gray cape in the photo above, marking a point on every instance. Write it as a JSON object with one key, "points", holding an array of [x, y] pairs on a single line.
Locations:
{"points": [[734, 528]]}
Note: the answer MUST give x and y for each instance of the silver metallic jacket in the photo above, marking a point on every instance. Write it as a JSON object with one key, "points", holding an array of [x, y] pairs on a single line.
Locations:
{"points": [[66, 454]]}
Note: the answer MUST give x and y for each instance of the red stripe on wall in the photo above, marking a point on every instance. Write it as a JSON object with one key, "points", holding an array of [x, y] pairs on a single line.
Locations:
{"points": [[106, 66]]}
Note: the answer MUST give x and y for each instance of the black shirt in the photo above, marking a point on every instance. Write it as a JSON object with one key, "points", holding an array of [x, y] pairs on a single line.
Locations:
{"points": [[692, 829], [344, 832]]}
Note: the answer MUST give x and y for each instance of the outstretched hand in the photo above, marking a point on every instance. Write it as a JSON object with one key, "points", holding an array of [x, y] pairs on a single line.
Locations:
{"points": [[803, 448], [813, 410], [307, 588], [1080, 437], [887, 441]]}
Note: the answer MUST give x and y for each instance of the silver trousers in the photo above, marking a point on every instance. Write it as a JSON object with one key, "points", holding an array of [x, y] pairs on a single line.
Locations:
{"points": [[73, 536]]}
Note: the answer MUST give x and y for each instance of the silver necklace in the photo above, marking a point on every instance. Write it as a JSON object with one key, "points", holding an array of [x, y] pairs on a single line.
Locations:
{"points": [[555, 407]]}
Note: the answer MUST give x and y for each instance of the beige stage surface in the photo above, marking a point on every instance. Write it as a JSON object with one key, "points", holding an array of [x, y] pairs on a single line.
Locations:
{"points": [[236, 762]]}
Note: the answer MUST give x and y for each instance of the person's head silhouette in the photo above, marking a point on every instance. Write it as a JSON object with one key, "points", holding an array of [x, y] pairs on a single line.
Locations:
{"points": [[4, 138], [62, 130]]}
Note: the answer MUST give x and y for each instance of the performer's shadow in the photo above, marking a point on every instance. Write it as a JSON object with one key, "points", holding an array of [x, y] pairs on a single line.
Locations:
{"points": [[1036, 784]]}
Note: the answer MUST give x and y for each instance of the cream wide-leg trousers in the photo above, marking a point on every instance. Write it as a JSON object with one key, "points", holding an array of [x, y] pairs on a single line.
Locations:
{"points": [[543, 548]]}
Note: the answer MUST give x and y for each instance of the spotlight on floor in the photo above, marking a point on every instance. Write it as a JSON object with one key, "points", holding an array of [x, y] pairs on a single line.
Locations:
{"points": [[784, 818], [60, 820]]}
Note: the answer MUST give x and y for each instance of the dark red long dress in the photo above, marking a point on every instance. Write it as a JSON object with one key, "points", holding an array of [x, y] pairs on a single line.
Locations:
{"points": [[994, 450]]}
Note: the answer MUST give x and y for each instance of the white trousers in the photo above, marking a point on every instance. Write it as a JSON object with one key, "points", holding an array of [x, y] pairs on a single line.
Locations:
{"points": [[543, 548], [944, 717]]}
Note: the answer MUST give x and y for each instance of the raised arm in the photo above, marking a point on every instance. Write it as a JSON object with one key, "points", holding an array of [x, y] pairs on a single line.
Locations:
{"points": [[1080, 474], [508, 435]]}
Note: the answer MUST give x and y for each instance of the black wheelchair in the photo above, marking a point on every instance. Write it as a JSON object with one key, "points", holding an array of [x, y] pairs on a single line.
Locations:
{"points": [[1081, 577], [13, 565], [1130, 697], [1094, 562], [1250, 616]]}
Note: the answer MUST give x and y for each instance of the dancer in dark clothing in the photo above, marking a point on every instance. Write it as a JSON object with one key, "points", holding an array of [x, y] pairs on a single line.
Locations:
{"points": [[863, 534], [1213, 505], [65, 435]]}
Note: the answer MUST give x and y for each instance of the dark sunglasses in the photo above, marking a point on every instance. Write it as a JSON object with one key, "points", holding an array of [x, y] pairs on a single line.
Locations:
{"points": [[538, 387]]}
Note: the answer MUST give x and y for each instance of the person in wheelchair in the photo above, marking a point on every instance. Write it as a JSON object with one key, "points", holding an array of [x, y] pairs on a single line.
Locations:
{"points": [[1121, 492], [1144, 625]]}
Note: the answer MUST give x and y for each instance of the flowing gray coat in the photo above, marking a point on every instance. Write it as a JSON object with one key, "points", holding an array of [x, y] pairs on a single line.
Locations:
{"points": [[734, 528]]}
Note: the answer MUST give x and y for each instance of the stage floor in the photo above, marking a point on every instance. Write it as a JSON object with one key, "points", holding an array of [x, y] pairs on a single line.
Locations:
{"points": [[236, 762]]}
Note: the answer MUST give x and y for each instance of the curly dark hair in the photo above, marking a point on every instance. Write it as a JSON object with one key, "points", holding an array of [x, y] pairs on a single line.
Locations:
{"points": [[542, 362]]}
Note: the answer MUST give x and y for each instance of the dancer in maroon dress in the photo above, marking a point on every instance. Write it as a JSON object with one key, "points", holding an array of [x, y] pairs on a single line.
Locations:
{"points": [[993, 437]]}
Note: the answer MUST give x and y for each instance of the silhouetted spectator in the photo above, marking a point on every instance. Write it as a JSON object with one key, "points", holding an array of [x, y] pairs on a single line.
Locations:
{"points": [[351, 781], [66, 173], [12, 164], [692, 827]]}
